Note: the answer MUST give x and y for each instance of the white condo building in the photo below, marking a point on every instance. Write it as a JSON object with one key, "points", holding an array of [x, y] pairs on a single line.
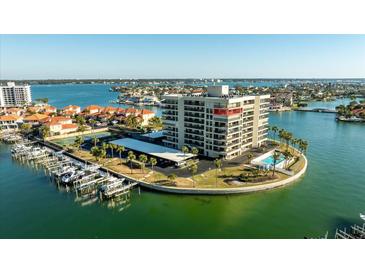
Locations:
{"points": [[14, 96], [218, 124]]}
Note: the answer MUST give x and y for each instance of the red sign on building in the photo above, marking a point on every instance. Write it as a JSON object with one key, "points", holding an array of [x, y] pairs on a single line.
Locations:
{"points": [[227, 111]]}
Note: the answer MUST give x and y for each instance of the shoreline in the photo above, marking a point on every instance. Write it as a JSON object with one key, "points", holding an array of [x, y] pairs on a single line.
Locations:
{"points": [[193, 191]]}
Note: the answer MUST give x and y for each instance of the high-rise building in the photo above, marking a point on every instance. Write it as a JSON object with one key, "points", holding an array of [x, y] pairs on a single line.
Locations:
{"points": [[15, 96], [217, 123]]}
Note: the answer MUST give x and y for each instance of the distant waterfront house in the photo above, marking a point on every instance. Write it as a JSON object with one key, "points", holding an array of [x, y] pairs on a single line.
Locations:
{"points": [[61, 125], [109, 110], [36, 119], [71, 110], [34, 109], [14, 111], [49, 109], [278, 108], [146, 116], [10, 121], [93, 109], [57, 128]]}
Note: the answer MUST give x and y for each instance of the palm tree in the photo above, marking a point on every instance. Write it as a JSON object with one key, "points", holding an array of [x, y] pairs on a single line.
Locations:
{"points": [[172, 177], [294, 141], [287, 154], [112, 147], [78, 142], [95, 140], [102, 153], [303, 145], [131, 157], [287, 137], [276, 157], [92, 122], [185, 150], [104, 146], [281, 135], [25, 128], [195, 151], [120, 150], [143, 158], [218, 165], [274, 129], [193, 169], [44, 131], [95, 151], [249, 158], [153, 162]]}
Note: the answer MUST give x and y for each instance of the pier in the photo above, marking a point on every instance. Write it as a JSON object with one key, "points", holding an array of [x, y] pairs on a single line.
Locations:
{"points": [[355, 232], [90, 182]]}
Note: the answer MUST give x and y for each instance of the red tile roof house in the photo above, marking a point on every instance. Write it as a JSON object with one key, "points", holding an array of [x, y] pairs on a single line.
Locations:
{"points": [[15, 111], [10, 121], [93, 109], [61, 125], [71, 110], [50, 109], [110, 110], [36, 119], [35, 109], [146, 116]]}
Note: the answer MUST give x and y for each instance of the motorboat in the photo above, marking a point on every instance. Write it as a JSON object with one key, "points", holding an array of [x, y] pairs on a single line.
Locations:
{"points": [[71, 176], [362, 216]]}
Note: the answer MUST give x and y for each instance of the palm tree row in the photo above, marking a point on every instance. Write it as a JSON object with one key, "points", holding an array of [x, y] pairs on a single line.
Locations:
{"points": [[288, 138]]}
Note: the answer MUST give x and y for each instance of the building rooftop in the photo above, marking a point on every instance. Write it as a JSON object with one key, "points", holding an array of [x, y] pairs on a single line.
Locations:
{"points": [[162, 152]]}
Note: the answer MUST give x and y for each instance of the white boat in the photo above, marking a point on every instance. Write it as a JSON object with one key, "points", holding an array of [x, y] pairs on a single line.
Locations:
{"points": [[362, 216]]}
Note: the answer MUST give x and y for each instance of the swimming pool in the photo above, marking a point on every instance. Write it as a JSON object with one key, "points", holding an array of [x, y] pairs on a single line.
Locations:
{"points": [[270, 160]]}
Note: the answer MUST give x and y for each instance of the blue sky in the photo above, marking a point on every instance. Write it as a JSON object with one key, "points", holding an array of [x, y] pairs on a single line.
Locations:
{"points": [[181, 56]]}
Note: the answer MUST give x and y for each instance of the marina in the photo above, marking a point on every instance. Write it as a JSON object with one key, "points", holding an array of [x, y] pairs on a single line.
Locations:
{"points": [[83, 179]]}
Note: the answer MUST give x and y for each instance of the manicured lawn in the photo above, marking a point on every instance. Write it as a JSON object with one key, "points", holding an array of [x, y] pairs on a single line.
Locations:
{"points": [[227, 177]]}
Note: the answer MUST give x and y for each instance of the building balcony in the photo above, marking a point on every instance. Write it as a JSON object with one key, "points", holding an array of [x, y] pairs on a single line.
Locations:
{"points": [[194, 120], [194, 126], [194, 103], [194, 115]]}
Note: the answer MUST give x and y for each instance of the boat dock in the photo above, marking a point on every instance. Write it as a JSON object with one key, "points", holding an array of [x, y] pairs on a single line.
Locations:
{"points": [[10, 137], [89, 181], [355, 232]]}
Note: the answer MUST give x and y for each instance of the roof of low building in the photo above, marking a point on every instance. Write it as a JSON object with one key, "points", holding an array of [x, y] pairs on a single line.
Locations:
{"points": [[36, 117], [163, 152], [73, 107], [7, 118]]}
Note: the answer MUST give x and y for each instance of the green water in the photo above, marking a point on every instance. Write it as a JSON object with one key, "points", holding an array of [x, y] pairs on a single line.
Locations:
{"points": [[332, 194]]}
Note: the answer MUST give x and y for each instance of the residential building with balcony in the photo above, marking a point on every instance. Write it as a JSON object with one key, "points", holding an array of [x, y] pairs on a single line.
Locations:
{"points": [[217, 123], [15, 96]]}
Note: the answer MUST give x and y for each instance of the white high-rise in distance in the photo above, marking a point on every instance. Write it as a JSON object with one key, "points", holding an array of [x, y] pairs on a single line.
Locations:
{"points": [[12, 95]]}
